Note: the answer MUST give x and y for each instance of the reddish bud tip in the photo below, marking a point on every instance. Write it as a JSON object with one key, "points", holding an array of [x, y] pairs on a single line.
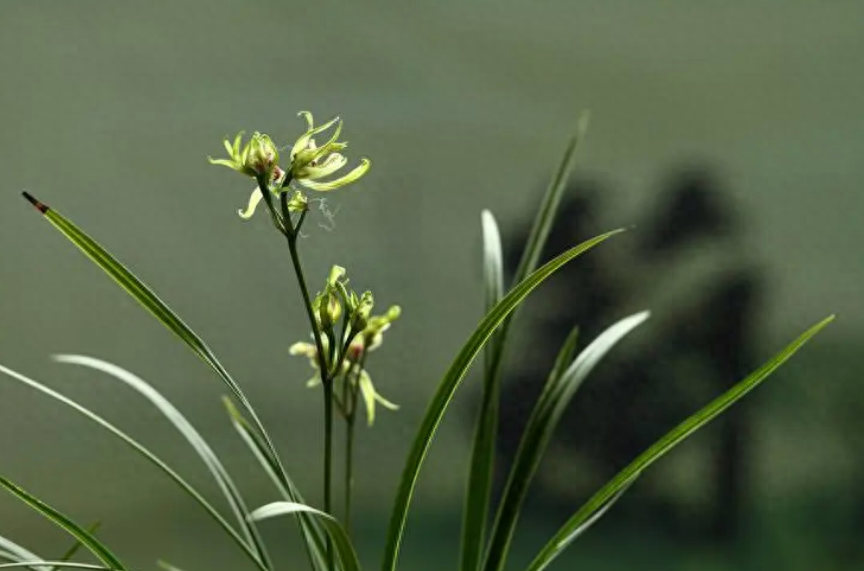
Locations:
{"points": [[43, 208]]}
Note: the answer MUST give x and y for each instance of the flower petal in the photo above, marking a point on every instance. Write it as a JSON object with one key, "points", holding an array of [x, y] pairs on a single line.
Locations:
{"points": [[303, 142], [386, 403], [254, 199], [330, 165], [368, 392], [303, 348], [225, 163], [352, 176], [309, 121]]}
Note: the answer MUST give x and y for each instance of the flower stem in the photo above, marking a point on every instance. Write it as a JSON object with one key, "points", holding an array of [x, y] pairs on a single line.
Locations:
{"points": [[349, 469]]}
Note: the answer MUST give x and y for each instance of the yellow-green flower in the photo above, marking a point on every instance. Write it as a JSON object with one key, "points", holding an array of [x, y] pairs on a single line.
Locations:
{"points": [[310, 163], [258, 157], [371, 397]]}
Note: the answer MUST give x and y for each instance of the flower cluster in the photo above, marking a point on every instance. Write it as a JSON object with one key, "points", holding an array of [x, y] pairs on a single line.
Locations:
{"points": [[344, 354], [309, 164]]}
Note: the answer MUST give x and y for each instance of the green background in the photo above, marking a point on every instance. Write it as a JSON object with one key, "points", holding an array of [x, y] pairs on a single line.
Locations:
{"points": [[109, 109]]}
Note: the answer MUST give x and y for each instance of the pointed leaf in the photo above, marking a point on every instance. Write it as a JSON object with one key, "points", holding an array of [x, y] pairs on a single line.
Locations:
{"points": [[340, 539], [135, 445], [152, 303], [95, 546], [565, 535], [479, 489], [544, 419], [450, 383], [204, 451]]}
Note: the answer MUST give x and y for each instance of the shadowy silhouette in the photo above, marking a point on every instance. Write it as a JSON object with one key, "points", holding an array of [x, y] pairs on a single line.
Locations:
{"points": [[687, 263]]}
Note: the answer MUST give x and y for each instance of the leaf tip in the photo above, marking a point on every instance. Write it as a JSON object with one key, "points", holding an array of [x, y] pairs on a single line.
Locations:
{"points": [[41, 207]]}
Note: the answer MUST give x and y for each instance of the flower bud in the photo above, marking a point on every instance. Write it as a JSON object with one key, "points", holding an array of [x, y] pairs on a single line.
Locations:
{"points": [[360, 317]]}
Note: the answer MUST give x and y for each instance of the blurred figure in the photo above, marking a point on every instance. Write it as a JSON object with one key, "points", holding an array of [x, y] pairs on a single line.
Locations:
{"points": [[685, 261]]}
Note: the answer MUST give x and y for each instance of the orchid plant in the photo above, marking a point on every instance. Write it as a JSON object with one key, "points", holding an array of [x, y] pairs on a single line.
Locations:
{"points": [[343, 332]]}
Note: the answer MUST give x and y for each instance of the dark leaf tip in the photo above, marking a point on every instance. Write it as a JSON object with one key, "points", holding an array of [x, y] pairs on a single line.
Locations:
{"points": [[43, 208]]}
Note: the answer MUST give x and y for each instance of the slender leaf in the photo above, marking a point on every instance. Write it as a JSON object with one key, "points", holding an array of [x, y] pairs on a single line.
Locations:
{"points": [[57, 565], [544, 419], [135, 445], [145, 296], [551, 199], [151, 302], [76, 547], [565, 535], [312, 534], [340, 539], [450, 383], [167, 566], [478, 492], [204, 451], [14, 552], [95, 546]]}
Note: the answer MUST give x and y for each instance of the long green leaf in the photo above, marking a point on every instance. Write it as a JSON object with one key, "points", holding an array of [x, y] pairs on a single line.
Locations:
{"points": [[478, 494], [150, 301], [135, 445], [478, 491], [450, 383], [544, 419], [565, 535], [57, 564], [76, 547], [95, 546], [204, 451], [551, 199], [340, 538], [312, 535]]}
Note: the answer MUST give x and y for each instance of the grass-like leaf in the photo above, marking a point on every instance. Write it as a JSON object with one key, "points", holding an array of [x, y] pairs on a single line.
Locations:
{"points": [[138, 447], [57, 565], [568, 532], [16, 553], [76, 547], [145, 296], [312, 534], [204, 451], [478, 492], [544, 419], [483, 449], [340, 538], [450, 383], [95, 546]]}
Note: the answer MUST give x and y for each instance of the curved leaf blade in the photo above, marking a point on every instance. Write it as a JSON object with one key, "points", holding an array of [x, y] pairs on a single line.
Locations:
{"points": [[141, 449], [57, 565], [545, 417], [565, 536], [450, 383], [16, 553], [478, 492], [148, 299], [95, 546], [313, 537], [192, 436], [340, 538]]}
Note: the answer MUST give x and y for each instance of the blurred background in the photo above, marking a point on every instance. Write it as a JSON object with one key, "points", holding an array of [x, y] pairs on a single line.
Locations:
{"points": [[727, 136]]}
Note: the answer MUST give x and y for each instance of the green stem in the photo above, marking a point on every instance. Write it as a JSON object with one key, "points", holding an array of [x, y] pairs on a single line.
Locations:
{"points": [[349, 469], [291, 233], [328, 461]]}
